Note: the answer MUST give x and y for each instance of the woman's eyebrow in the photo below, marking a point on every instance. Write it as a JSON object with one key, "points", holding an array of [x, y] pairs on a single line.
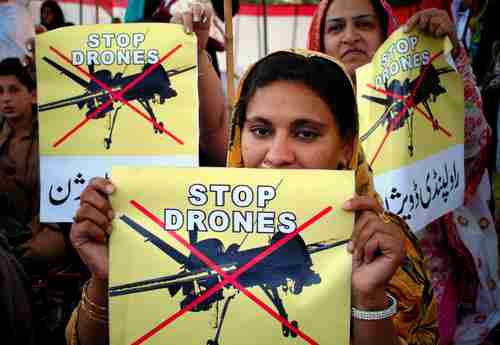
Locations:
{"points": [[308, 122], [364, 16], [257, 119], [357, 17], [335, 19]]}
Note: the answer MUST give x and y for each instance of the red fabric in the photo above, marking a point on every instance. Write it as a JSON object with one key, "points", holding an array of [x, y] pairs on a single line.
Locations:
{"points": [[315, 41], [405, 12], [277, 10], [106, 5]]}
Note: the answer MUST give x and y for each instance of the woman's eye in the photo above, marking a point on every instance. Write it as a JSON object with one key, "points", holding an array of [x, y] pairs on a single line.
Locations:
{"points": [[261, 131], [365, 25], [334, 28], [307, 134]]}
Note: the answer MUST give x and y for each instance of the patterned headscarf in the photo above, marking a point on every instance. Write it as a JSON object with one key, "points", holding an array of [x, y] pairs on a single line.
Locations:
{"points": [[364, 181]]}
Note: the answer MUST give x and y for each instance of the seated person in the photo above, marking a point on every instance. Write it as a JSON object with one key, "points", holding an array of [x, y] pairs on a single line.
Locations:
{"points": [[287, 117], [41, 248]]}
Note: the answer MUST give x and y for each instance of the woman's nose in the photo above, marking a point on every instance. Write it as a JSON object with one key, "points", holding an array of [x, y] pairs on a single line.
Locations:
{"points": [[281, 153], [350, 34]]}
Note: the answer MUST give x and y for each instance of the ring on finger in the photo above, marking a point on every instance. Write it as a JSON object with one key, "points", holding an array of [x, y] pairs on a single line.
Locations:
{"points": [[384, 216]]}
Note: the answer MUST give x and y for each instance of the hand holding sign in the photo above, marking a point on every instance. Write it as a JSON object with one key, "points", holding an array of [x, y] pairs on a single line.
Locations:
{"points": [[196, 18], [378, 249], [435, 22], [92, 227]]}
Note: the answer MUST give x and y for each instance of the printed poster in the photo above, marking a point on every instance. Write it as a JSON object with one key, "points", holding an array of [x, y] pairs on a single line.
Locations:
{"points": [[230, 256], [411, 108], [112, 94]]}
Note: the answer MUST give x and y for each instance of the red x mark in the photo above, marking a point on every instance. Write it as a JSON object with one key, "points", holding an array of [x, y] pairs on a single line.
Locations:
{"points": [[116, 96], [407, 104], [228, 278]]}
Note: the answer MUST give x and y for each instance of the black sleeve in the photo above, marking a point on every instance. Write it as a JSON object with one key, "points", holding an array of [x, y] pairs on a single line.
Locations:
{"points": [[16, 317]]}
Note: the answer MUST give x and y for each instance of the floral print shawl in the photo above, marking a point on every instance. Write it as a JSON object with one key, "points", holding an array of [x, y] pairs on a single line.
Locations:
{"points": [[453, 255]]}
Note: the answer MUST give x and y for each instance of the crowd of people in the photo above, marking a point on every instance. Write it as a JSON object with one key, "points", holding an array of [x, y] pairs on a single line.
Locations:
{"points": [[445, 282]]}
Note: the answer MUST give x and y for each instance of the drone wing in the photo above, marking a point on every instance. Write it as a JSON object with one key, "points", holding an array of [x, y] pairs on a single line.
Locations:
{"points": [[156, 241], [81, 99], [175, 71], [381, 120], [324, 245], [382, 101], [69, 74], [172, 282]]}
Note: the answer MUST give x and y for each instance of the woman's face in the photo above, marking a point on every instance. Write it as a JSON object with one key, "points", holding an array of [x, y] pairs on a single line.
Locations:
{"points": [[352, 32], [288, 126]]}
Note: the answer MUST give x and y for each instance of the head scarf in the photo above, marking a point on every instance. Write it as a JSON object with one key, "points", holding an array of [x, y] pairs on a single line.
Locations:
{"points": [[364, 180], [416, 318], [315, 37]]}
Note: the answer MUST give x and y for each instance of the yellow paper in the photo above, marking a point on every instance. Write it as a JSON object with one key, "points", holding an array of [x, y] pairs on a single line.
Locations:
{"points": [[317, 300], [151, 119], [411, 111]]}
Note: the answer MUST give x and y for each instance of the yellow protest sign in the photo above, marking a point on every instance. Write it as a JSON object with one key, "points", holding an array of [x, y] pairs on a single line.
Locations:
{"points": [[112, 94], [411, 110], [230, 256]]}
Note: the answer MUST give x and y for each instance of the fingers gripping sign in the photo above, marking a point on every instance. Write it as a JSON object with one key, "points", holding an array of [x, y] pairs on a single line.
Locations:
{"points": [[195, 16], [377, 246], [92, 226], [435, 22]]}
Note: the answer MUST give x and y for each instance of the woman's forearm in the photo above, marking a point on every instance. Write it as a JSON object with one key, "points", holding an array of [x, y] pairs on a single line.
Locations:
{"points": [[89, 330], [373, 332], [377, 332], [214, 122]]}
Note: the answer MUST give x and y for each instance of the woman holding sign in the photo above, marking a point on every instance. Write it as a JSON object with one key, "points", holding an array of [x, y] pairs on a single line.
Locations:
{"points": [[460, 244], [286, 117]]}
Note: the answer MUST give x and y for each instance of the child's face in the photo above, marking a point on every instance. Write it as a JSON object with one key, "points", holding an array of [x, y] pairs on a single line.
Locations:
{"points": [[16, 100]]}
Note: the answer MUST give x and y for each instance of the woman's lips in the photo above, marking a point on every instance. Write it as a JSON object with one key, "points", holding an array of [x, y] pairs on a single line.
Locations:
{"points": [[353, 52]]}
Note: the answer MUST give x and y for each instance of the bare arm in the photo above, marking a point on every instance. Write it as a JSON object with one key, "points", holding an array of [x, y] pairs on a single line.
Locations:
{"points": [[90, 331], [214, 119], [381, 332], [213, 114], [89, 236], [377, 248]]}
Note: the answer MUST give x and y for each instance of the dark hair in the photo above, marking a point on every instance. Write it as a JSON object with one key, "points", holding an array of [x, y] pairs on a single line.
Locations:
{"points": [[324, 77], [382, 15], [14, 67], [56, 10]]}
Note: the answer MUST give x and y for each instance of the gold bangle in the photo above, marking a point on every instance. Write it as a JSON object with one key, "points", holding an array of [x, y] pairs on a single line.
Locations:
{"points": [[92, 315], [86, 300], [94, 311]]}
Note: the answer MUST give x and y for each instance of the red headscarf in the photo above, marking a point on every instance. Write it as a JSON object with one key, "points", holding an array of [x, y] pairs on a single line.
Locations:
{"points": [[315, 37]]}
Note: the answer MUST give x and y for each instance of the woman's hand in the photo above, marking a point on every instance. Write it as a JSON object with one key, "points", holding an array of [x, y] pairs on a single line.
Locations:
{"points": [[92, 227], [196, 18], [377, 246], [435, 22]]}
